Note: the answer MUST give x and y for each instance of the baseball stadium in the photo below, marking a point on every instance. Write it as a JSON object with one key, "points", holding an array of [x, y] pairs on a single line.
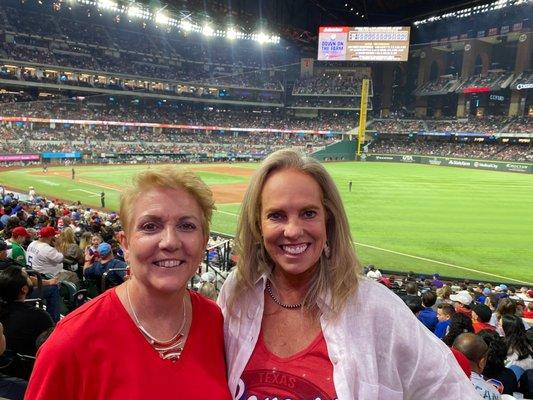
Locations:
{"points": [[421, 113]]}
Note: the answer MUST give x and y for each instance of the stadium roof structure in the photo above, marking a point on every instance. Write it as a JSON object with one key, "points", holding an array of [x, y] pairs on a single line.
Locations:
{"points": [[384, 12], [301, 18]]}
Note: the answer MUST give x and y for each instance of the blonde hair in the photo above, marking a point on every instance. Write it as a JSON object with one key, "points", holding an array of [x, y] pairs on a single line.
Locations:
{"points": [[444, 292], [85, 240], [336, 275], [65, 239], [167, 178], [209, 290]]}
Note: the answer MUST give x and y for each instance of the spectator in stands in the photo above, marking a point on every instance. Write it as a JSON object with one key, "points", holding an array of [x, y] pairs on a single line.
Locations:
{"points": [[73, 257], [475, 349], [528, 312], [462, 302], [6, 214], [520, 306], [50, 290], [481, 315], [43, 257], [495, 366], [411, 289], [4, 260], [18, 237], [503, 290], [519, 347], [483, 296], [427, 315], [506, 306], [373, 273], [443, 295], [92, 249], [297, 287], [491, 301], [128, 342], [32, 194], [103, 262], [207, 286], [23, 322], [459, 323], [436, 282], [10, 388], [444, 315]]}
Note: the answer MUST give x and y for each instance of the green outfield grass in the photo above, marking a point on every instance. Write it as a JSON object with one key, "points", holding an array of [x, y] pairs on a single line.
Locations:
{"points": [[458, 222]]}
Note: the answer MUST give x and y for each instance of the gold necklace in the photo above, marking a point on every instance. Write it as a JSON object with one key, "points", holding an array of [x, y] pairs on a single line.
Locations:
{"points": [[168, 349]]}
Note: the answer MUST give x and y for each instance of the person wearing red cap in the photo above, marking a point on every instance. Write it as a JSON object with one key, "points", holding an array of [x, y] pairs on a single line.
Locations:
{"points": [[18, 236], [43, 257]]}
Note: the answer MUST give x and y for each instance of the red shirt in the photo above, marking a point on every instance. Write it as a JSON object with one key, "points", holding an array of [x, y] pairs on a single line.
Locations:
{"points": [[98, 353], [527, 314], [307, 374], [463, 361], [479, 326]]}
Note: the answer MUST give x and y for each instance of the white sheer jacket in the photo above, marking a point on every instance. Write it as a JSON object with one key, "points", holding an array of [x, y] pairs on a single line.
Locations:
{"points": [[379, 349]]}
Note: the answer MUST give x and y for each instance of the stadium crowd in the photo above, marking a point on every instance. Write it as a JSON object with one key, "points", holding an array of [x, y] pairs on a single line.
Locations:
{"points": [[329, 84], [456, 311], [181, 114], [116, 140], [493, 80], [69, 38], [486, 125], [439, 86], [332, 102], [485, 151]]}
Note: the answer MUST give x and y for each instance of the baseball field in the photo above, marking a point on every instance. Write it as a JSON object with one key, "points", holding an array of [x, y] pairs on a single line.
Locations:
{"points": [[458, 222]]}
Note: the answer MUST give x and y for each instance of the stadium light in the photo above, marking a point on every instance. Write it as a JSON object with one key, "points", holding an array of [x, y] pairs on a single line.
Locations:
{"points": [[466, 12], [161, 18], [261, 37], [208, 30], [107, 5], [231, 34], [186, 25], [135, 11]]}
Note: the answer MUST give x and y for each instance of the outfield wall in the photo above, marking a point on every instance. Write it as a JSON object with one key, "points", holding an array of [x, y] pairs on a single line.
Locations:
{"points": [[505, 166]]}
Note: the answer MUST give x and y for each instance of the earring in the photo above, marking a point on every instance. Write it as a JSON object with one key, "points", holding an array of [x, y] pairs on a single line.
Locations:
{"points": [[327, 251]]}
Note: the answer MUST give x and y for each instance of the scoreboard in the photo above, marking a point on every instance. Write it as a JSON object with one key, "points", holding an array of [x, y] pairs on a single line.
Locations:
{"points": [[378, 43]]}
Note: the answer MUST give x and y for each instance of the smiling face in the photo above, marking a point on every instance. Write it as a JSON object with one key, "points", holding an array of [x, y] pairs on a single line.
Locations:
{"points": [[165, 242], [293, 221]]}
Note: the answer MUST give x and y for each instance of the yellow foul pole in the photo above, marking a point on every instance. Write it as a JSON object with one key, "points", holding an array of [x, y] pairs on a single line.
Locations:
{"points": [[362, 116]]}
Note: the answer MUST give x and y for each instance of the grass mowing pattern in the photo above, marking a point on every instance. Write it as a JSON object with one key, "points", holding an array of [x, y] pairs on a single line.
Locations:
{"points": [[480, 220]]}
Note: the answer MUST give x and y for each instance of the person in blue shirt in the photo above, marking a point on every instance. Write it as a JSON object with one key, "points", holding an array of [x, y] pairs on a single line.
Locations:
{"points": [[428, 316], [444, 315], [103, 261]]}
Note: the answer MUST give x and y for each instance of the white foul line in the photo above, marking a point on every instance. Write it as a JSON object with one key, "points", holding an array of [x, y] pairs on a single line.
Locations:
{"points": [[418, 258], [84, 191], [442, 263], [227, 213]]}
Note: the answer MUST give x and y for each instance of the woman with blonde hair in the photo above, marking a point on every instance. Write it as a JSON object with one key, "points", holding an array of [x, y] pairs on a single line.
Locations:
{"points": [[300, 322], [443, 295], [151, 337], [73, 255], [85, 240]]}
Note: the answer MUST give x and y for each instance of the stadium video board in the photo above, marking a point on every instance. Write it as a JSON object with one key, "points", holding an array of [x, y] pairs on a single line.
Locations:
{"points": [[378, 43]]}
